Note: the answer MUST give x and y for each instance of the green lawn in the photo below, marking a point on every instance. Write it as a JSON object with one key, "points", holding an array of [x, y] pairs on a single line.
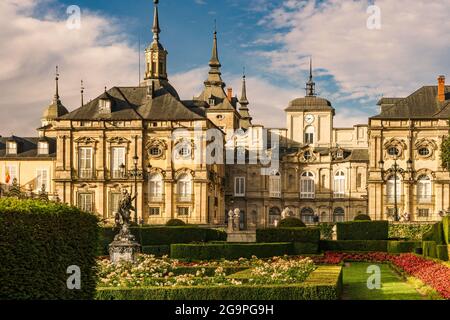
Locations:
{"points": [[392, 286]]}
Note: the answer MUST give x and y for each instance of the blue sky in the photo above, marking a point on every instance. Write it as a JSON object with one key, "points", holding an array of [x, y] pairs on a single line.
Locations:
{"points": [[353, 65]]}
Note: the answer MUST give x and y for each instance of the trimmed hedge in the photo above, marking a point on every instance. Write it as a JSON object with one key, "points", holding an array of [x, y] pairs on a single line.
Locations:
{"points": [[326, 230], [324, 283], [229, 251], [442, 252], [152, 236], [436, 234], [354, 245], [363, 230], [175, 223], [403, 246], [408, 231], [39, 241], [291, 222], [446, 229], [362, 217], [429, 249], [310, 234], [300, 248], [157, 251]]}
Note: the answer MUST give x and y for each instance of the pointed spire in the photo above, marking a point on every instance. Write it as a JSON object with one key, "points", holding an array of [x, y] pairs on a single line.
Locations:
{"points": [[156, 29], [244, 101], [56, 98], [310, 85], [82, 93], [214, 62]]}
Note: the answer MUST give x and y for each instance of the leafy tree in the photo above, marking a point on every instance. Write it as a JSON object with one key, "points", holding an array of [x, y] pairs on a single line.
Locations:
{"points": [[445, 154]]}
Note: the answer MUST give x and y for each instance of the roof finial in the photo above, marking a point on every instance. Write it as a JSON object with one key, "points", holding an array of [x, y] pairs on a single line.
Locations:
{"points": [[156, 29], [82, 93], [244, 101], [310, 85], [57, 84]]}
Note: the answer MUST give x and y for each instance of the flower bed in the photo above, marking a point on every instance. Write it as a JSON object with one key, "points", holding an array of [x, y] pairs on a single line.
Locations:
{"points": [[165, 272], [432, 273]]}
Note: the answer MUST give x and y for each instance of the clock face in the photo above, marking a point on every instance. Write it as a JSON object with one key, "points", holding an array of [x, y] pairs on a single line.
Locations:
{"points": [[309, 118]]}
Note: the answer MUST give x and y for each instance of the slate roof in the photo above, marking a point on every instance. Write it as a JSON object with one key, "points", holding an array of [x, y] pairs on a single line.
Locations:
{"points": [[27, 148], [422, 104], [310, 103], [134, 103]]}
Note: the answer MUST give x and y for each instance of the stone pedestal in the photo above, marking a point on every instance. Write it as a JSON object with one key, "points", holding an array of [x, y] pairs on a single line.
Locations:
{"points": [[124, 247], [242, 236]]}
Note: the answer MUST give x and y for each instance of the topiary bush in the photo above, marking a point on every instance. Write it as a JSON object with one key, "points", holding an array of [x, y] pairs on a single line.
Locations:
{"points": [[39, 241], [175, 223], [291, 222], [363, 230], [446, 229], [362, 217], [436, 234]]}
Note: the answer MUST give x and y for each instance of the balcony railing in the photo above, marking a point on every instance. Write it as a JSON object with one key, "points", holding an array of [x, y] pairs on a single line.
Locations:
{"points": [[307, 196], [86, 174], [118, 174], [184, 198], [275, 194], [156, 198], [424, 199]]}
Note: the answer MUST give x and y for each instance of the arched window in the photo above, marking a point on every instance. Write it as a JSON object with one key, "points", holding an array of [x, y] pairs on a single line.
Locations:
{"points": [[184, 187], [274, 215], [309, 135], [393, 189], [338, 215], [307, 186], [424, 189], [307, 215], [156, 187], [339, 184]]}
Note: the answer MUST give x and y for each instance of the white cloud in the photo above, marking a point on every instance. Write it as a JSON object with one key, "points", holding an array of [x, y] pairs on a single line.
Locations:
{"points": [[31, 48], [409, 51], [200, 2]]}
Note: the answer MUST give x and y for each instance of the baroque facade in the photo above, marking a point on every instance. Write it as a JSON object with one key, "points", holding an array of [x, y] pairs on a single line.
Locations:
{"points": [[149, 141]]}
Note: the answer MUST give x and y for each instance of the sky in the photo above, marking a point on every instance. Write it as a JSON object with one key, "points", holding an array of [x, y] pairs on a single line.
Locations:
{"points": [[354, 64]]}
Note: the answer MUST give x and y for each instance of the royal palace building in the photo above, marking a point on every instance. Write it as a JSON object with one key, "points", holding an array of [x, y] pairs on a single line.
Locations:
{"points": [[197, 159]]}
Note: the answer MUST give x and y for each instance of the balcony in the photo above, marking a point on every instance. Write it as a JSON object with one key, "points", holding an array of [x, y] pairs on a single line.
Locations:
{"points": [[425, 199], [391, 199], [339, 195], [184, 198], [308, 195], [86, 174], [156, 198], [118, 174]]}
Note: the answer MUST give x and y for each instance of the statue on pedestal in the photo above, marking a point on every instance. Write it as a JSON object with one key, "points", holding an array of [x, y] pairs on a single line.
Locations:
{"points": [[124, 247], [237, 219], [230, 221]]}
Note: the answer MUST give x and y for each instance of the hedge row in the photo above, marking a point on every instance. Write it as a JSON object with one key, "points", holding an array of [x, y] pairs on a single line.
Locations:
{"points": [[403, 246], [354, 245], [311, 234], [429, 249], [152, 236], [436, 234], [446, 229], [325, 283], [39, 242], [230, 251], [157, 251], [442, 252], [408, 231], [300, 248], [363, 230]]}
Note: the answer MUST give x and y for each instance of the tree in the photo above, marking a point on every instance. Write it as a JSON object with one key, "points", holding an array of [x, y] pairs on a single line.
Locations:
{"points": [[445, 154]]}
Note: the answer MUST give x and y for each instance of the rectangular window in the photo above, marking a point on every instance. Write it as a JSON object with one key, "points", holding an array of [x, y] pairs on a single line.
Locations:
{"points": [[42, 180], [239, 186], [155, 211], [424, 213], [307, 189], [114, 202], [359, 181], [43, 148], [275, 186], [86, 202], [12, 147], [86, 163], [183, 211], [117, 160], [324, 181], [11, 174]]}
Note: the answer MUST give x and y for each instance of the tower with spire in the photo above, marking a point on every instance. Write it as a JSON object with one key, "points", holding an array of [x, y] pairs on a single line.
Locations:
{"points": [[155, 54], [310, 85], [56, 108], [246, 119]]}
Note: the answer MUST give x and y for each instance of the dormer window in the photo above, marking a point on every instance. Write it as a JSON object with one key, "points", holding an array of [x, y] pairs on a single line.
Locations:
{"points": [[212, 101], [104, 106], [11, 147], [43, 148], [340, 154]]}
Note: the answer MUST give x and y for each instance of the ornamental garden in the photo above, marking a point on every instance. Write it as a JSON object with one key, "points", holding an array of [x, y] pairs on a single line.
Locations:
{"points": [[53, 251]]}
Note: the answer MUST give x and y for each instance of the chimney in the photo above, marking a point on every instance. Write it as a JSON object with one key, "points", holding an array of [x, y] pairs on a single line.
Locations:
{"points": [[441, 89], [229, 94]]}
